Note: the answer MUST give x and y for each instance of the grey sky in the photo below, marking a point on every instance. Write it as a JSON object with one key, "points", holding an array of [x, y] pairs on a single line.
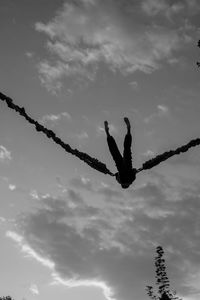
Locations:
{"points": [[72, 65]]}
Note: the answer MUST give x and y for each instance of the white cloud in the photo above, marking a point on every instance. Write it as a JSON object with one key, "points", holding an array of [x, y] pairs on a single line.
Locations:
{"points": [[2, 220], [83, 35], [66, 114], [149, 153], [5, 155], [82, 183], [25, 248], [134, 84], [19, 189], [14, 236], [12, 187], [162, 110], [34, 194], [107, 291], [50, 76], [34, 289], [82, 135], [52, 118], [29, 54]]}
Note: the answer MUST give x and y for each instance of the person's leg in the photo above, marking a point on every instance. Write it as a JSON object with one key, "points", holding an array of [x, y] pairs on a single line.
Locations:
{"points": [[117, 157], [127, 156], [128, 125]]}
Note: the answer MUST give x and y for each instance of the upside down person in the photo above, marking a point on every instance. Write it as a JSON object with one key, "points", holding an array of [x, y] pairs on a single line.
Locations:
{"points": [[126, 173]]}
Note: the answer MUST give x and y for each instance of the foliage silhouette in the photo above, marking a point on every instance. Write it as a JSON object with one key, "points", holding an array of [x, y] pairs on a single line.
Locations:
{"points": [[198, 63], [91, 161], [162, 280], [6, 298]]}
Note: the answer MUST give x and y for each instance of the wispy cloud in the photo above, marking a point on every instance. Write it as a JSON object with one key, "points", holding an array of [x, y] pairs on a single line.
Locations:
{"points": [[17, 188], [29, 54], [82, 183], [53, 119], [103, 243], [50, 76], [154, 7], [12, 187], [34, 289], [85, 34], [149, 153], [162, 110], [2, 220], [5, 155], [169, 9], [134, 85], [34, 194], [107, 291], [82, 135], [27, 250]]}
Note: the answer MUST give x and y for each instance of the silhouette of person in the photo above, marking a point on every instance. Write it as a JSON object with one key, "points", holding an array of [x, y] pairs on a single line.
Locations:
{"points": [[126, 173]]}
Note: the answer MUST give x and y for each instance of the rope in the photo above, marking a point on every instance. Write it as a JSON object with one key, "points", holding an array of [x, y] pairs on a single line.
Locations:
{"points": [[162, 157], [91, 161]]}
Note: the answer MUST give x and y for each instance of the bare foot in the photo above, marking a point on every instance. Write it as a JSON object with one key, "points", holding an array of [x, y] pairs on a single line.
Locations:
{"points": [[106, 127], [126, 120]]}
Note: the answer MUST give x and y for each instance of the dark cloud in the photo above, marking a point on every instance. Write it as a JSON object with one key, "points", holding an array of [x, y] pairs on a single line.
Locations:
{"points": [[75, 197], [82, 183], [115, 244], [109, 192], [83, 256], [105, 190]]}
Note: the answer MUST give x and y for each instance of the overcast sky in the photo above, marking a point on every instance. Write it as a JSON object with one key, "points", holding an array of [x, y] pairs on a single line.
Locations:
{"points": [[68, 231]]}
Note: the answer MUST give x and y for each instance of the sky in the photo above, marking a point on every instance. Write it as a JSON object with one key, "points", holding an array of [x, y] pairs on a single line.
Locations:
{"points": [[68, 231]]}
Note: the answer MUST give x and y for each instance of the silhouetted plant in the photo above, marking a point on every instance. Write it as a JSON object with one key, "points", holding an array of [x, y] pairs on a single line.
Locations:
{"points": [[6, 298], [162, 281], [198, 63]]}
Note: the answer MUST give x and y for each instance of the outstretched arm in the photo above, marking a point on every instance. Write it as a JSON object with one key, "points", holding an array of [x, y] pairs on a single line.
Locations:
{"points": [[91, 161], [162, 157]]}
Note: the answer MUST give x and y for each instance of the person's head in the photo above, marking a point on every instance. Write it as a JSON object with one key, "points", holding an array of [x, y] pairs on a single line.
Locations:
{"points": [[126, 184]]}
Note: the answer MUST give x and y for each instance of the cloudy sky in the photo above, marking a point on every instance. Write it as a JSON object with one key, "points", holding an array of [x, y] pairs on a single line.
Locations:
{"points": [[68, 231]]}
